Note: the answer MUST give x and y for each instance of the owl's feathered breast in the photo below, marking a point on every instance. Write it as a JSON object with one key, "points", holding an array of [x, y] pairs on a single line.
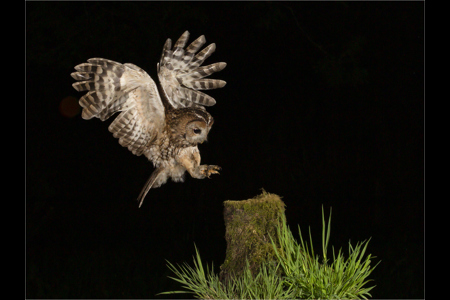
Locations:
{"points": [[162, 151], [173, 137]]}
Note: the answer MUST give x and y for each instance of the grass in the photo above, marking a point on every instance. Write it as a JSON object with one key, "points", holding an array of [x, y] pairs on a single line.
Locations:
{"points": [[298, 272]]}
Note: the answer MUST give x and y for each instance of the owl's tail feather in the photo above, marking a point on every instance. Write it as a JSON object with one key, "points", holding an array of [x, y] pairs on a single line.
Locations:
{"points": [[148, 185]]}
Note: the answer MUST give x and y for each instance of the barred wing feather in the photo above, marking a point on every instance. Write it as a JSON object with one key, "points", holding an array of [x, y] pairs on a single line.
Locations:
{"points": [[181, 74], [114, 87]]}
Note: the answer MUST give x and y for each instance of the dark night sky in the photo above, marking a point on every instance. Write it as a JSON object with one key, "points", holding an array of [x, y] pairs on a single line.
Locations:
{"points": [[324, 105]]}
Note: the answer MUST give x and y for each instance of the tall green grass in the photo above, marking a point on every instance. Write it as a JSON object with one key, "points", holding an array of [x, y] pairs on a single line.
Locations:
{"points": [[298, 272]]}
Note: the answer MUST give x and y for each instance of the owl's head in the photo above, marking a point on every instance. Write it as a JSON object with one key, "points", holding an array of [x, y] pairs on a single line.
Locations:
{"points": [[197, 131], [195, 125]]}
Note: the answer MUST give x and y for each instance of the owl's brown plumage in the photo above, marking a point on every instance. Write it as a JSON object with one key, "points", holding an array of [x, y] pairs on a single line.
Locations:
{"points": [[165, 122]]}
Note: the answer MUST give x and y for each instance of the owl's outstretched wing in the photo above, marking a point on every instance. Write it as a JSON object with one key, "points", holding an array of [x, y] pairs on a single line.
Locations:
{"points": [[114, 87], [181, 74]]}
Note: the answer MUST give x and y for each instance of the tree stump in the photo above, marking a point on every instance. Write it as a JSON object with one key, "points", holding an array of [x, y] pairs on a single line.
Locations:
{"points": [[249, 223]]}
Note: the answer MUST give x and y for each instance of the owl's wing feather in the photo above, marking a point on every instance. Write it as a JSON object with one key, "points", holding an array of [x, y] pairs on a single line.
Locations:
{"points": [[114, 87], [181, 74]]}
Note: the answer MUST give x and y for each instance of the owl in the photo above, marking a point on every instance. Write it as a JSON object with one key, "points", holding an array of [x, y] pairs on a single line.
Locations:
{"points": [[165, 121]]}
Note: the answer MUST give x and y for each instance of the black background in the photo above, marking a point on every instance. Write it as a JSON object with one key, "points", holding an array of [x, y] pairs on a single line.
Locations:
{"points": [[324, 105]]}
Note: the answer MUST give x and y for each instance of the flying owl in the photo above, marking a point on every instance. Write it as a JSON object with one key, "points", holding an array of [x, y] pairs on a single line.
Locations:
{"points": [[164, 122]]}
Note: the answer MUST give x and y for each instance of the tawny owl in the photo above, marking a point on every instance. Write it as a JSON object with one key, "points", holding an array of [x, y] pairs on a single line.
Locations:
{"points": [[164, 122]]}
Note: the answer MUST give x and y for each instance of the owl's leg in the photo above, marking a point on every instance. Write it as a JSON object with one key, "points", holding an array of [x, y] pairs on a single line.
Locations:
{"points": [[191, 161], [202, 171]]}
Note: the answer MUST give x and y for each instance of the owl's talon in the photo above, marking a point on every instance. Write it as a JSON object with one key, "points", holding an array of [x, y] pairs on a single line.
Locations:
{"points": [[209, 170]]}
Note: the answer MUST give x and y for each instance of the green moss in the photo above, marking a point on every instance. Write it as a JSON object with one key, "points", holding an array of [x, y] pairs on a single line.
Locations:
{"points": [[249, 226]]}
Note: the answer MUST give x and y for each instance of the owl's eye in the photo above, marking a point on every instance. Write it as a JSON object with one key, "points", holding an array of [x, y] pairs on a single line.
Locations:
{"points": [[197, 131]]}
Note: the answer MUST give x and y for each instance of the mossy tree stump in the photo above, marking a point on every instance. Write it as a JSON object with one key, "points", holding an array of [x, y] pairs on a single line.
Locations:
{"points": [[249, 223]]}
